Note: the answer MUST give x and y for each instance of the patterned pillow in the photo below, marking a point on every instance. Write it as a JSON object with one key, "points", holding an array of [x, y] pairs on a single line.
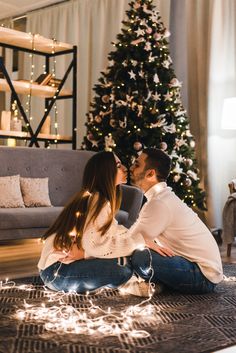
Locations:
{"points": [[35, 192], [10, 192]]}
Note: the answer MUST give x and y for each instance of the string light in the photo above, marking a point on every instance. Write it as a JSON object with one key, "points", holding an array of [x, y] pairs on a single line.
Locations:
{"points": [[29, 96], [65, 318], [55, 104]]}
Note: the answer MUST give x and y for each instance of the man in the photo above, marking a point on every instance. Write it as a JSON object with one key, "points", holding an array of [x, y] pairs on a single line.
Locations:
{"points": [[187, 257]]}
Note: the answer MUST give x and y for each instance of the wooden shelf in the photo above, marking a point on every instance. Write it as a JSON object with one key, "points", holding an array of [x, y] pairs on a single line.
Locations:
{"points": [[24, 87], [24, 40], [26, 135]]}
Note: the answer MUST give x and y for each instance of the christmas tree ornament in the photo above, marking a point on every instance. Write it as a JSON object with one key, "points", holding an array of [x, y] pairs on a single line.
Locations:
{"points": [[187, 182], [148, 46], [140, 32], [189, 162], [168, 96], [137, 146], [157, 36], [149, 30], [192, 174], [112, 123], [136, 5], [132, 75], [177, 169], [141, 73], [156, 96], [105, 98], [156, 78], [98, 119], [166, 34], [109, 143], [151, 58], [123, 123], [176, 178], [170, 128], [175, 83], [163, 146]]}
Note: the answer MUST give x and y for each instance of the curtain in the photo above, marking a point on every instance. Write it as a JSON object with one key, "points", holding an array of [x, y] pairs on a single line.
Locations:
{"points": [[222, 84], [5, 98], [203, 46], [191, 26]]}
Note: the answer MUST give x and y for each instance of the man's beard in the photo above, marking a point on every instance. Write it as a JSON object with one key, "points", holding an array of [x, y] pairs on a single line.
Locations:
{"points": [[137, 179]]}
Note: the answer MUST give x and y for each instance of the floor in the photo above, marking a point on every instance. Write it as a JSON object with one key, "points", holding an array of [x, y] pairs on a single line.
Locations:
{"points": [[19, 258]]}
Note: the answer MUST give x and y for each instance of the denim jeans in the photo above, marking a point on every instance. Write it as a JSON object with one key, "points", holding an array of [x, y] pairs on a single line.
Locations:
{"points": [[174, 272], [87, 275]]}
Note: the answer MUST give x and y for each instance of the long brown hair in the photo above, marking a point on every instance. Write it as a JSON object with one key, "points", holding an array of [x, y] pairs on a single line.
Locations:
{"points": [[98, 187]]}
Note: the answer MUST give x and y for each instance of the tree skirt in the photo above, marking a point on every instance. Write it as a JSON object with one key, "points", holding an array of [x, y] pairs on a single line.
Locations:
{"points": [[34, 319]]}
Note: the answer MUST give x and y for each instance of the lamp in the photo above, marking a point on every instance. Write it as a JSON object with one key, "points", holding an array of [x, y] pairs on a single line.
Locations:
{"points": [[228, 121]]}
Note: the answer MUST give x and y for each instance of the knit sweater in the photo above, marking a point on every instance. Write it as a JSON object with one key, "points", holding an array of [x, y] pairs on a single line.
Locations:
{"points": [[116, 242]]}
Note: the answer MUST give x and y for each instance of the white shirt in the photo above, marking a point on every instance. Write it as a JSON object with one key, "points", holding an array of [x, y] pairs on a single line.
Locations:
{"points": [[168, 220], [116, 242]]}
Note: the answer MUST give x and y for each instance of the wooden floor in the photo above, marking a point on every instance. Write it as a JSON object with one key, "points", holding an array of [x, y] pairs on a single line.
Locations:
{"points": [[19, 258]]}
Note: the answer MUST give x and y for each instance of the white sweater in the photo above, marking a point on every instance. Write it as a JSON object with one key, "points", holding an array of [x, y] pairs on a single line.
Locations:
{"points": [[116, 242], [169, 221]]}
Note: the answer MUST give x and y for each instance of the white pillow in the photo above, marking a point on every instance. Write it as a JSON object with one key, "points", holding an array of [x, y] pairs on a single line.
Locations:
{"points": [[35, 192], [10, 192]]}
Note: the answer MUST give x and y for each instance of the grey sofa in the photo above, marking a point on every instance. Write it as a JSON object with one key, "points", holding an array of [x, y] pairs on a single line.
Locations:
{"points": [[64, 168]]}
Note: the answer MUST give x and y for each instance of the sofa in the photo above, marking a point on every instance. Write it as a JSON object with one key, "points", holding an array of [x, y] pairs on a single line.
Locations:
{"points": [[64, 170]]}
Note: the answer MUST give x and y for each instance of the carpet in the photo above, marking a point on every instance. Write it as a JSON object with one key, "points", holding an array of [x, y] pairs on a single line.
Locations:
{"points": [[109, 322]]}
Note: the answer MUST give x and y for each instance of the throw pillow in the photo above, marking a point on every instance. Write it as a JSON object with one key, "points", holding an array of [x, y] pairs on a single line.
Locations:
{"points": [[10, 192], [35, 192]]}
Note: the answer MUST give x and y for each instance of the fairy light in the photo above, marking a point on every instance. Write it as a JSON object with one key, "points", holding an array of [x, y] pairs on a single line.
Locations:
{"points": [[56, 125], [32, 66], [65, 318]]}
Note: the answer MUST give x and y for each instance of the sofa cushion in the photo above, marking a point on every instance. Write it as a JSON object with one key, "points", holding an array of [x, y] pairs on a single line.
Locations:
{"points": [[33, 217], [10, 192], [35, 192]]}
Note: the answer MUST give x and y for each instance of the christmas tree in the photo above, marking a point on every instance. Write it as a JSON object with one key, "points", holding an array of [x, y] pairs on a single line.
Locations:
{"points": [[137, 102]]}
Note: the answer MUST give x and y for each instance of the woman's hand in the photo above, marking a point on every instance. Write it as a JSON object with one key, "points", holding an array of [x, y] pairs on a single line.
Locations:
{"points": [[75, 253], [159, 249]]}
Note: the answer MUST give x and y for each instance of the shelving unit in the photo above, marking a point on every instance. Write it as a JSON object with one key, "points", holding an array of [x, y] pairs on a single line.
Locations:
{"points": [[48, 48]]}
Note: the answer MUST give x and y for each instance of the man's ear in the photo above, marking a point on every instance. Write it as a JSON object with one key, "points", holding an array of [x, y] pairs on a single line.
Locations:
{"points": [[151, 173]]}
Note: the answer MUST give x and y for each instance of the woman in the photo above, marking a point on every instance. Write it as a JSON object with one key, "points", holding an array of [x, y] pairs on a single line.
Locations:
{"points": [[87, 228]]}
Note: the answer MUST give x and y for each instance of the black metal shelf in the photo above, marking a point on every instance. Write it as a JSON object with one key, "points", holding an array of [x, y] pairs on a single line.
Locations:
{"points": [[57, 94]]}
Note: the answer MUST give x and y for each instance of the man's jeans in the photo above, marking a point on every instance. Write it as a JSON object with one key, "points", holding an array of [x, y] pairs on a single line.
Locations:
{"points": [[175, 272], [87, 275]]}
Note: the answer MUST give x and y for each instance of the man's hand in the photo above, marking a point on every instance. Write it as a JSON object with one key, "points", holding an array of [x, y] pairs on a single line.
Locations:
{"points": [[159, 249]]}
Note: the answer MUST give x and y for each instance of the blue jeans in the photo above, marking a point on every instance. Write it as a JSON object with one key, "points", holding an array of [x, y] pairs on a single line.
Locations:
{"points": [[87, 275], [174, 272]]}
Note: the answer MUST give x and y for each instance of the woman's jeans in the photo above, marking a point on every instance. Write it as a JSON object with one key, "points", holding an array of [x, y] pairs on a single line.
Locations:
{"points": [[175, 272], [87, 275]]}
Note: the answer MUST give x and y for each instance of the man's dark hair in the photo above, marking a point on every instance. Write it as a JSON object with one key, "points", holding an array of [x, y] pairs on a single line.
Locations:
{"points": [[159, 161]]}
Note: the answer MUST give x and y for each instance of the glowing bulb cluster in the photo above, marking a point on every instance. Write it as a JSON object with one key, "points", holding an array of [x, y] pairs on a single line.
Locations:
{"points": [[65, 318]]}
